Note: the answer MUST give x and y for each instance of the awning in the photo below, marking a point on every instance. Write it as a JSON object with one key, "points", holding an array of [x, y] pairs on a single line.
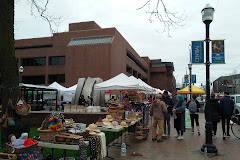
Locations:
{"points": [[195, 90]]}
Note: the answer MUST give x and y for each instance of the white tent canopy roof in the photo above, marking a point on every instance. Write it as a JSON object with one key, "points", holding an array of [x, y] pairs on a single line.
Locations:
{"points": [[35, 86], [119, 82], [57, 86], [142, 84]]}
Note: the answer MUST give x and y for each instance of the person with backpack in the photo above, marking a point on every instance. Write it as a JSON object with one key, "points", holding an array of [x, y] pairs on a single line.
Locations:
{"points": [[193, 106], [227, 107]]}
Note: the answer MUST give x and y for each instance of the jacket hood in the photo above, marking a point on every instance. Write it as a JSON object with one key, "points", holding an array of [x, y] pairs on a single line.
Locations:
{"points": [[155, 102]]}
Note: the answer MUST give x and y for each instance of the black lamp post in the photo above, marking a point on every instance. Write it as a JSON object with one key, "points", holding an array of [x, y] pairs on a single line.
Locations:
{"points": [[20, 72], [190, 79], [207, 17]]}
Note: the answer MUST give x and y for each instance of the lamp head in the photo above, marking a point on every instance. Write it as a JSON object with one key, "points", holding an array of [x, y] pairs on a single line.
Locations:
{"points": [[207, 13], [190, 65], [21, 69]]}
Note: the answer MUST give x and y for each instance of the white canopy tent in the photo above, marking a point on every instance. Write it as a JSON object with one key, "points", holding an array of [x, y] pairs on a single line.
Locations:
{"points": [[68, 93], [143, 85], [119, 82], [149, 88], [71, 89], [57, 86]]}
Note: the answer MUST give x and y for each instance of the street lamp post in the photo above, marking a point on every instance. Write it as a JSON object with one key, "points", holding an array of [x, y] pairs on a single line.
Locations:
{"points": [[190, 79], [20, 72], [207, 17]]}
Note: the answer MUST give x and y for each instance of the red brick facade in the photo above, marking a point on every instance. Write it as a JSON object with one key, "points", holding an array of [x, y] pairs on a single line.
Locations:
{"points": [[104, 60]]}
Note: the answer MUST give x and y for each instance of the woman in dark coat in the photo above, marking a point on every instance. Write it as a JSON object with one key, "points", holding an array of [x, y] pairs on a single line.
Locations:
{"points": [[179, 121], [214, 109]]}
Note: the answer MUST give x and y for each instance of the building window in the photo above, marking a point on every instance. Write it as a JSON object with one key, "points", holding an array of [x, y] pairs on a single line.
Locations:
{"points": [[129, 69], [136, 61], [155, 65], [58, 60], [139, 76], [33, 79], [135, 73], [40, 61], [59, 78]]}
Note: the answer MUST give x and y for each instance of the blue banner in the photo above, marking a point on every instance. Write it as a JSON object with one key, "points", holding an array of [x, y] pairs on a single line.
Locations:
{"points": [[197, 52], [194, 78], [186, 80], [218, 51]]}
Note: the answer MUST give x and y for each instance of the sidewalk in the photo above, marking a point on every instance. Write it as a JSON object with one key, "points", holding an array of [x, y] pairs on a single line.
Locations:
{"points": [[186, 149]]}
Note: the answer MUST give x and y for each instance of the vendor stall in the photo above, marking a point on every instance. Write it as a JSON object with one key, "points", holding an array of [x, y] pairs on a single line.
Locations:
{"points": [[36, 95], [195, 90]]}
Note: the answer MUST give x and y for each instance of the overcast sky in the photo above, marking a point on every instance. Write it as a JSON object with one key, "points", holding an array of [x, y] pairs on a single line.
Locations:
{"points": [[141, 34]]}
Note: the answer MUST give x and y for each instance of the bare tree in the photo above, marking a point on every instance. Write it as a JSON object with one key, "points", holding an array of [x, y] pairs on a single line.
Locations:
{"points": [[157, 10], [38, 10], [8, 64]]}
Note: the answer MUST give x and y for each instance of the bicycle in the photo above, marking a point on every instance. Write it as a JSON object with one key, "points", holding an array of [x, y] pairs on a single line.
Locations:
{"points": [[235, 125]]}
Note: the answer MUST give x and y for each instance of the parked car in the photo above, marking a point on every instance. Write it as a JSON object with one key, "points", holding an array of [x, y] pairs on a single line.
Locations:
{"points": [[236, 100]]}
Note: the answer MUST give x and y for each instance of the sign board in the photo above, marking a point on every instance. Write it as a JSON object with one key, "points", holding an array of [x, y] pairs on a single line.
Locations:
{"points": [[218, 51], [197, 52], [187, 119], [186, 80], [194, 78]]}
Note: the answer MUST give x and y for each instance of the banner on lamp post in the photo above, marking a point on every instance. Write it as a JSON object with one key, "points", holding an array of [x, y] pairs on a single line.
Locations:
{"points": [[218, 55], [197, 52], [186, 80], [194, 78]]}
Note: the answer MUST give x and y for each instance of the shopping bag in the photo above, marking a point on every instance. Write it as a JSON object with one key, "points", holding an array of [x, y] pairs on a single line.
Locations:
{"points": [[21, 107]]}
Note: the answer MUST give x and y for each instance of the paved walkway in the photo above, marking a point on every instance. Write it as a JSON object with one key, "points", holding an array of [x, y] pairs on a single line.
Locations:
{"points": [[172, 149]]}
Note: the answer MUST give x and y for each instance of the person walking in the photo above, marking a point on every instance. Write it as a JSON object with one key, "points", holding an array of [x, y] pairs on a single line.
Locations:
{"points": [[214, 109], [174, 99], [193, 107], [227, 107], [157, 110], [179, 121], [168, 101]]}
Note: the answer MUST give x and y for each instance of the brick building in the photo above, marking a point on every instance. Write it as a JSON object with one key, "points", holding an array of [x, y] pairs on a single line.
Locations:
{"points": [[229, 84], [88, 50]]}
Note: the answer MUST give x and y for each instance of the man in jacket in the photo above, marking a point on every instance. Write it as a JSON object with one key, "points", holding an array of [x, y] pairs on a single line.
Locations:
{"points": [[227, 107], [158, 109], [168, 101]]}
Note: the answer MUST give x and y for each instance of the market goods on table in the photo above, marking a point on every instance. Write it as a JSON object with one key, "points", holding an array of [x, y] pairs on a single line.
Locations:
{"points": [[8, 156], [67, 138]]}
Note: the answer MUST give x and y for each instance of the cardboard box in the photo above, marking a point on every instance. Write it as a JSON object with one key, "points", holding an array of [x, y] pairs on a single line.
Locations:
{"points": [[73, 108], [81, 109], [67, 108]]}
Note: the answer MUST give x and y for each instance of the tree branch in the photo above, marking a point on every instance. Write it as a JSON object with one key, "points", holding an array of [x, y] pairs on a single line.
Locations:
{"points": [[52, 21], [157, 10]]}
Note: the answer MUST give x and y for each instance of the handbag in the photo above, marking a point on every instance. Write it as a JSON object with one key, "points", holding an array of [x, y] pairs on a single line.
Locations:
{"points": [[10, 121], [21, 107]]}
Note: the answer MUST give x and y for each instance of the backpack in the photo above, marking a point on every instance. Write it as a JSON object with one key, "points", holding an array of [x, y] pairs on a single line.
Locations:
{"points": [[192, 107]]}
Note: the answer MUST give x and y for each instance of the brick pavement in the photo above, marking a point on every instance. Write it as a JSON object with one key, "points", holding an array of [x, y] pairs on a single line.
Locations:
{"points": [[173, 149]]}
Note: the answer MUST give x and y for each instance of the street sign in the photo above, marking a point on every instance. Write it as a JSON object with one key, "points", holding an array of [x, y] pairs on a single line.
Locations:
{"points": [[197, 52], [194, 78], [218, 51]]}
